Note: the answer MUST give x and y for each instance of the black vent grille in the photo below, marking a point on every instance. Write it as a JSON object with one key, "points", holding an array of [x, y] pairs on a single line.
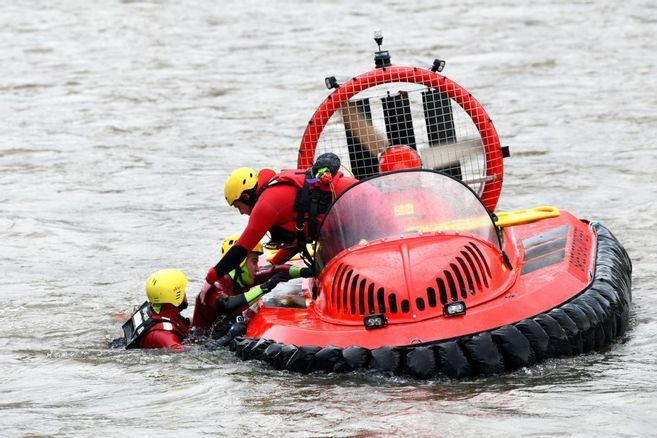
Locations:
{"points": [[468, 274], [355, 294]]}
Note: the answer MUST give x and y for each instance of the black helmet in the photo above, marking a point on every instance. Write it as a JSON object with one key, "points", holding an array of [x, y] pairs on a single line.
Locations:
{"points": [[327, 160]]}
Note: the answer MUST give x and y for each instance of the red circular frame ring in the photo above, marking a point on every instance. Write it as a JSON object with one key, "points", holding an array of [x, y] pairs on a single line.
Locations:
{"points": [[379, 76]]}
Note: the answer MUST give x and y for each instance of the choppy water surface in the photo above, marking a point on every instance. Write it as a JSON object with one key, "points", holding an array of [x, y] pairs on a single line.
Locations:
{"points": [[121, 120]]}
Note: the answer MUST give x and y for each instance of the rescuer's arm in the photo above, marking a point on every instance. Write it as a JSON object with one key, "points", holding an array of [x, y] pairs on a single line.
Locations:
{"points": [[294, 271], [262, 218], [301, 271], [226, 305], [283, 255]]}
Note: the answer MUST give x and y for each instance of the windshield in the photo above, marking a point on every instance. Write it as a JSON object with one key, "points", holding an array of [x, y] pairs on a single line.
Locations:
{"points": [[402, 203]]}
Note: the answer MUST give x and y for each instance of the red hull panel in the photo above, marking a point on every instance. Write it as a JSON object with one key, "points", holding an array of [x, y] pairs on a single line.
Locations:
{"points": [[552, 262]]}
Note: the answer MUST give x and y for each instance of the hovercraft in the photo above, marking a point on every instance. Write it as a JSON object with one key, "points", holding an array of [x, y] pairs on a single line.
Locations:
{"points": [[416, 274]]}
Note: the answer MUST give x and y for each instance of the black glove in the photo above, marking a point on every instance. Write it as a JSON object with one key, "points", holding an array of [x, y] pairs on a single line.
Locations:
{"points": [[307, 272], [237, 329], [226, 305], [268, 285]]}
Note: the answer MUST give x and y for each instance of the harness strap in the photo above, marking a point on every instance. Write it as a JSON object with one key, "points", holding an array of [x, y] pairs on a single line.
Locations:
{"points": [[313, 211], [301, 205], [309, 203]]}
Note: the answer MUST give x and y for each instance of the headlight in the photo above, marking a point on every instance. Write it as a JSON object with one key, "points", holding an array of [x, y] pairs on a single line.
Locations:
{"points": [[454, 309], [375, 321]]}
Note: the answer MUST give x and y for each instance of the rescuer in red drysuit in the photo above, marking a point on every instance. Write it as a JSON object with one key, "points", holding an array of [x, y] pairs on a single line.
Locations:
{"points": [[218, 305], [158, 322], [289, 205]]}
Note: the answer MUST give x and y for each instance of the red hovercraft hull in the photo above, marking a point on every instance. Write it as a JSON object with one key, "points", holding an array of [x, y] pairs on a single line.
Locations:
{"points": [[491, 304], [561, 286]]}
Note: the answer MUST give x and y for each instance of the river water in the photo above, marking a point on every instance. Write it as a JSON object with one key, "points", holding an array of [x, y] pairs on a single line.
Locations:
{"points": [[121, 120]]}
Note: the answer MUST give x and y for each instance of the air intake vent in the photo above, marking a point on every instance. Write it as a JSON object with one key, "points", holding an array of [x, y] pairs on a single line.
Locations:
{"points": [[468, 274], [354, 295]]}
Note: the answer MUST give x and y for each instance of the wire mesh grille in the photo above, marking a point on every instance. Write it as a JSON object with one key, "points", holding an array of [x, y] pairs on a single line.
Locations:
{"points": [[405, 114]]}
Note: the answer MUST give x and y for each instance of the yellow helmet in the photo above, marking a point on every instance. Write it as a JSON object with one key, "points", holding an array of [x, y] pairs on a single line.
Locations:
{"points": [[230, 241], [238, 182], [166, 286]]}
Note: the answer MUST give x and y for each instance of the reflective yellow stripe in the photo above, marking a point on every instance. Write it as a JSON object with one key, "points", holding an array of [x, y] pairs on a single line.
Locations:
{"points": [[253, 295]]}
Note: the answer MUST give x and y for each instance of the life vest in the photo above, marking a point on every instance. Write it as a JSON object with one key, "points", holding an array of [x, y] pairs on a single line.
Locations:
{"points": [[312, 201], [143, 320]]}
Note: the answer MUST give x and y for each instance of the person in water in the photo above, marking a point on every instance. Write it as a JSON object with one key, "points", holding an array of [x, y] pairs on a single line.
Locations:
{"points": [[289, 205], [158, 322], [219, 304]]}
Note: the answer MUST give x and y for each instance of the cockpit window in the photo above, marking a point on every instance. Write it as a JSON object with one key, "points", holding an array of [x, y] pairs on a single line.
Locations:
{"points": [[399, 204]]}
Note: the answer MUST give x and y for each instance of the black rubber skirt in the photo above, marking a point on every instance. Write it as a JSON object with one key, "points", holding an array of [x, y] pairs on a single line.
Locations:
{"points": [[588, 322]]}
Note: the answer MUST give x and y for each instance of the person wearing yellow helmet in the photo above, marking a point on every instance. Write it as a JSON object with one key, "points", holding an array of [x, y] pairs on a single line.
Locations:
{"points": [[158, 322], [218, 304], [289, 205], [241, 185]]}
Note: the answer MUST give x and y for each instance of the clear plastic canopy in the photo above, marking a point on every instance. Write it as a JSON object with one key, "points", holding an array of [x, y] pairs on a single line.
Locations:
{"points": [[402, 204]]}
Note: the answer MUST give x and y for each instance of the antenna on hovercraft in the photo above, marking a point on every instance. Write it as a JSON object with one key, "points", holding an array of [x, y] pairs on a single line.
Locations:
{"points": [[378, 37], [382, 57]]}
